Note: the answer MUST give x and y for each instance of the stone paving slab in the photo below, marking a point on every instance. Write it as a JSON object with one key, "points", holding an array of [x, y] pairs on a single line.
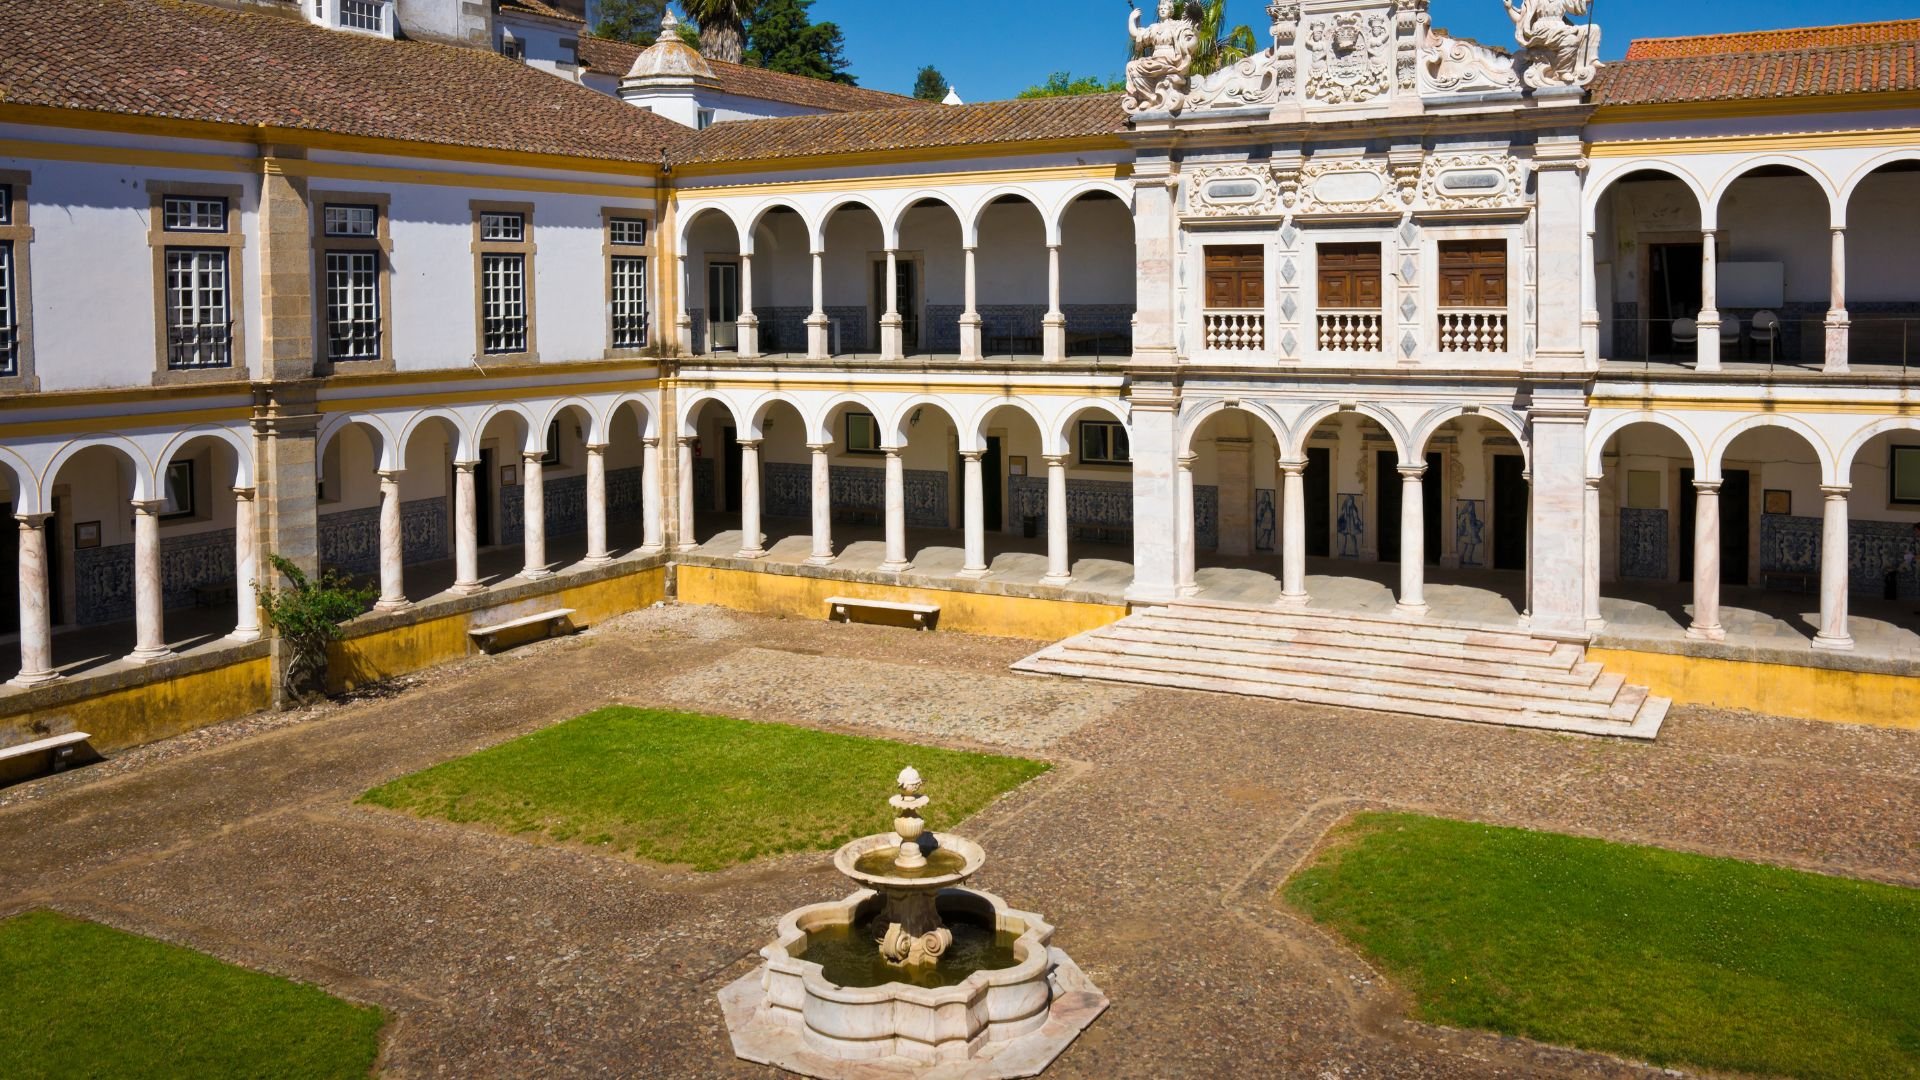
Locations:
{"points": [[1155, 847]]}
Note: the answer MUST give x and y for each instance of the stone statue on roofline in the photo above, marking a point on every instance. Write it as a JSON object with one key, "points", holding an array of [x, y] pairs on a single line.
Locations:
{"points": [[1157, 78], [1554, 50]]}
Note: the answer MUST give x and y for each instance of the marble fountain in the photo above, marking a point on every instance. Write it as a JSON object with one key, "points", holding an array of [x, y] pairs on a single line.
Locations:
{"points": [[913, 974]]}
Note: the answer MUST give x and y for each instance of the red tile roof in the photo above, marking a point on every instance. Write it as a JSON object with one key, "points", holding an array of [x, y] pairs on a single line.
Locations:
{"points": [[1805, 37], [992, 122], [175, 58], [615, 57], [541, 8]]}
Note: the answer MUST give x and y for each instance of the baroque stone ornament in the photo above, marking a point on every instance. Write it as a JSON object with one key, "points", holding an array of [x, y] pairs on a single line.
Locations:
{"points": [[1454, 65], [1472, 182], [1240, 190], [1554, 50], [1157, 79], [1350, 53]]}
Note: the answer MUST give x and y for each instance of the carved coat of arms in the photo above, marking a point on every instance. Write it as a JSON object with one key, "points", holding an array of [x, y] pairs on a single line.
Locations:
{"points": [[1350, 57]]}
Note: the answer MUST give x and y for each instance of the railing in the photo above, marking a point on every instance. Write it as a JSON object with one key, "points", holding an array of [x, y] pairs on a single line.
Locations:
{"points": [[1874, 342], [1473, 330], [1236, 329], [1355, 330]]}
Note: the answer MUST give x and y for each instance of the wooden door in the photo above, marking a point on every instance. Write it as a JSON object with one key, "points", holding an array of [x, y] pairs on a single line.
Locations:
{"points": [[1473, 273], [1349, 275], [1236, 276]]}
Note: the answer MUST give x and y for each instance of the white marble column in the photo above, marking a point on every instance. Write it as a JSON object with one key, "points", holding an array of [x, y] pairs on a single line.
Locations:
{"points": [[1184, 540], [650, 509], [896, 514], [974, 514], [1834, 632], [747, 345], [1059, 565], [36, 627], [597, 505], [533, 506], [393, 589], [1708, 348], [682, 318], [819, 343], [246, 569], [1589, 300], [1591, 575], [1293, 532], [687, 540], [892, 337], [1053, 325], [753, 542], [822, 504], [1706, 562], [1837, 321], [1413, 536], [466, 531], [970, 317], [150, 631]]}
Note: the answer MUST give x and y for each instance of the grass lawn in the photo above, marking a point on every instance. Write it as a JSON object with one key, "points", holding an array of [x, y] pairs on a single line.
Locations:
{"points": [[1673, 958], [86, 1000], [704, 791]]}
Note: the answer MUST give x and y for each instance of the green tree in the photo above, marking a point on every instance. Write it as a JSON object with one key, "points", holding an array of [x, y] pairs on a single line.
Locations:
{"points": [[1066, 84], [636, 21], [1220, 44], [782, 37], [723, 26], [307, 615], [930, 85]]}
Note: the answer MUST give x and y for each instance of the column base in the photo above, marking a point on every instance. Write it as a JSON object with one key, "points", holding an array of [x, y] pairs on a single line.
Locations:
{"points": [[970, 323], [27, 680], [750, 553], [1595, 624], [817, 336], [822, 560], [1836, 347], [244, 637], [650, 549], [148, 656], [1837, 644], [535, 573], [392, 605], [976, 572], [1706, 633], [1053, 337], [1415, 610], [1296, 600], [1186, 590], [686, 549], [894, 567], [1055, 579], [596, 560], [467, 588]]}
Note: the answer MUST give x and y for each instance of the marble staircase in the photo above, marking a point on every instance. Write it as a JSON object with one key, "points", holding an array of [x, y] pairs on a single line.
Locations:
{"points": [[1362, 661]]}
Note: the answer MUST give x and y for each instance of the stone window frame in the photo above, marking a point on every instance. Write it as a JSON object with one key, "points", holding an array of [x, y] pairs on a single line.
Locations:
{"points": [[18, 230], [1111, 425], [481, 248], [381, 243], [233, 241], [609, 249]]}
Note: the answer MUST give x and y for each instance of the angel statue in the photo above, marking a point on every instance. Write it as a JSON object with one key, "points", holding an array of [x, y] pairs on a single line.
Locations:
{"points": [[1157, 78], [1554, 51]]}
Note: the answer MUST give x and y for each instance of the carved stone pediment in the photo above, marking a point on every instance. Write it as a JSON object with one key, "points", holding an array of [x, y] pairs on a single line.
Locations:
{"points": [[1450, 65], [1261, 79], [1472, 182], [1245, 190], [1351, 57]]}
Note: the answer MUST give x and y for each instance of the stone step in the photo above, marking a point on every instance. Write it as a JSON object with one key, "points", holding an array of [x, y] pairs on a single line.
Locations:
{"points": [[1407, 687], [1347, 663], [1560, 657], [1361, 623], [1644, 725]]}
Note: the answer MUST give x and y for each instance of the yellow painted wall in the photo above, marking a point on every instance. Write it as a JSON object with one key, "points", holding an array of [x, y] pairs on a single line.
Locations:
{"points": [[1809, 693], [140, 714], [368, 658], [967, 612]]}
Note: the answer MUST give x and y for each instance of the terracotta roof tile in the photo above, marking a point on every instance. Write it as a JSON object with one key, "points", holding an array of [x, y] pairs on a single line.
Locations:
{"points": [[615, 57], [1805, 37], [904, 129], [175, 58], [1853, 69], [541, 8]]}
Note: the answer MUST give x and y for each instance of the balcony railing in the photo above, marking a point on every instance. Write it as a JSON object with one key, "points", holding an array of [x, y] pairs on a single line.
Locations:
{"points": [[1352, 330], [1874, 342], [1236, 329], [1473, 330]]}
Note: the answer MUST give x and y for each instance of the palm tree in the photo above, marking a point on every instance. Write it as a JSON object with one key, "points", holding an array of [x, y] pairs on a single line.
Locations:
{"points": [[723, 26], [1220, 45]]}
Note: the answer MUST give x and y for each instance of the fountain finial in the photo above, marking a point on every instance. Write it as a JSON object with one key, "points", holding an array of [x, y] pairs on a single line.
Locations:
{"points": [[907, 820]]}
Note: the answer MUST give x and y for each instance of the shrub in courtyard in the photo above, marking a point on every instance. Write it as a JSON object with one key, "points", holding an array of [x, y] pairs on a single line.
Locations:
{"points": [[307, 614]]}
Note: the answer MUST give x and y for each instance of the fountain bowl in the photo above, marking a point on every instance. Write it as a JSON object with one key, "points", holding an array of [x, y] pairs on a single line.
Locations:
{"points": [[846, 859]]}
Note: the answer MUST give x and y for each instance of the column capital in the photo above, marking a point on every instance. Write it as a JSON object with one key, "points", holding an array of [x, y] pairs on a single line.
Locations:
{"points": [[245, 494], [1707, 487], [465, 466], [532, 457], [1836, 229], [596, 448], [892, 451], [1291, 468], [1054, 460], [688, 440], [1835, 491], [1187, 460], [389, 476], [31, 521], [748, 444], [1593, 482], [1412, 472], [149, 507], [650, 441], [972, 455], [819, 447]]}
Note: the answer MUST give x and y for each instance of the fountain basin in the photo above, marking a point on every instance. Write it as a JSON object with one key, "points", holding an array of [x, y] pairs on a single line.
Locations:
{"points": [[854, 857], [1009, 1021]]}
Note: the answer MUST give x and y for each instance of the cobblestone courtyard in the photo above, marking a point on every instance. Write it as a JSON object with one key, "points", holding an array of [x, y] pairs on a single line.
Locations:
{"points": [[1155, 845]]}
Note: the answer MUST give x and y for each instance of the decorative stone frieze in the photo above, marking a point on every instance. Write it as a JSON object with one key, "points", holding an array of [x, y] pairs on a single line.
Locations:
{"points": [[1472, 182], [1237, 190], [1350, 53]]}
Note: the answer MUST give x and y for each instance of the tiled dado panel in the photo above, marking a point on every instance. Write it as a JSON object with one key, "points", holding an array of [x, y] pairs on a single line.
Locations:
{"points": [[1107, 504], [350, 540], [942, 332], [782, 329], [567, 504], [103, 576], [787, 491], [1643, 543], [1874, 549]]}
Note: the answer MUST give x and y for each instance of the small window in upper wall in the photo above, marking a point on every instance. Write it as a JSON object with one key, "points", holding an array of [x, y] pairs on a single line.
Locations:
{"points": [[1903, 475], [179, 492], [1104, 442], [627, 231], [863, 433], [703, 119], [507, 228], [352, 220], [192, 213]]}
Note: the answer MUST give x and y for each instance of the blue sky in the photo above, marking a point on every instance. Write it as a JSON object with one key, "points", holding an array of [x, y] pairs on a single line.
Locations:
{"points": [[995, 50]]}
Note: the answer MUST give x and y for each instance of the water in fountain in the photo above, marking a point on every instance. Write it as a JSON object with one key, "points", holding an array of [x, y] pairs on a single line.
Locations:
{"points": [[847, 957]]}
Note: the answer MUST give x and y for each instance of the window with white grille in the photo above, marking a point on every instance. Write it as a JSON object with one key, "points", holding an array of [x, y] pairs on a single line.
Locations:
{"points": [[352, 220], [191, 213], [629, 302], [360, 15], [353, 305], [503, 228], [9, 319], [503, 302], [199, 311], [627, 232], [6, 205]]}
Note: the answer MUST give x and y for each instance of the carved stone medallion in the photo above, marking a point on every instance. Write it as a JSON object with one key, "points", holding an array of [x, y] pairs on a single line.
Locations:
{"points": [[1351, 57]]}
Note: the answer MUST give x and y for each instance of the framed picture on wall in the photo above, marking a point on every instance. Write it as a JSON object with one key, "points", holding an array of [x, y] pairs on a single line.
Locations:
{"points": [[509, 475], [1903, 475], [1777, 502], [86, 534], [1016, 466]]}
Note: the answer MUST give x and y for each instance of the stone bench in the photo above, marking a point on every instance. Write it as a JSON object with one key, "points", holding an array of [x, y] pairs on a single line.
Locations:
{"points": [[505, 635], [16, 762], [842, 609]]}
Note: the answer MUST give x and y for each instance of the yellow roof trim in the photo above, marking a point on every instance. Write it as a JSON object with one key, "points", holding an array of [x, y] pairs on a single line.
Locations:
{"points": [[1728, 144], [830, 160], [1746, 107], [1116, 171]]}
